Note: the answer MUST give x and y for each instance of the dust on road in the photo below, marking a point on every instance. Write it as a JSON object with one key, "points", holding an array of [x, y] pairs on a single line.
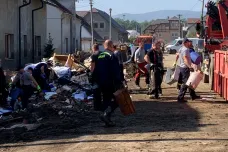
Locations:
{"points": [[158, 125]]}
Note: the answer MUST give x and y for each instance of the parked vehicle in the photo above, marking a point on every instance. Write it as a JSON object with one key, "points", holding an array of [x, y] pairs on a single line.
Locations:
{"points": [[147, 41], [173, 47]]}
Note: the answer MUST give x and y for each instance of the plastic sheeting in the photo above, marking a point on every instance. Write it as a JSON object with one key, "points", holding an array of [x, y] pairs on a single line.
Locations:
{"points": [[62, 72]]}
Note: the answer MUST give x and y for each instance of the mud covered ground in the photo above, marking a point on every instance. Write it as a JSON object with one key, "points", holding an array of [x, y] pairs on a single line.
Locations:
{"points": [[158, 125]]}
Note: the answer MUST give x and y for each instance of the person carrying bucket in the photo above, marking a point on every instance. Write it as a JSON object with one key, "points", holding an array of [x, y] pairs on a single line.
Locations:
{"points": [[185, 63], [195, 59]]}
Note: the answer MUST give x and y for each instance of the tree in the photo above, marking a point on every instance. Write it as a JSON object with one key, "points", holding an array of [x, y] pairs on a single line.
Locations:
{"points": [[133, 25], [191, 35], [48, 47]]}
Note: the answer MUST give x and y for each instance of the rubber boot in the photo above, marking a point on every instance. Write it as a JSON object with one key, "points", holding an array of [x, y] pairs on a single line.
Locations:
{"points": [[106, 117]]}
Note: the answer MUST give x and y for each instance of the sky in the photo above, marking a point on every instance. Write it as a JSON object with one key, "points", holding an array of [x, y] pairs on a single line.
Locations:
{"points": [[140, 6]]}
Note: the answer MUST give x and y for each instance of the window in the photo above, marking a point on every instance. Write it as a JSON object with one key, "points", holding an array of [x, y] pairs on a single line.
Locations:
{"points": [[74, 44], [25, 46], [95, 25], [174, 34], [66, 40], [38, 45], [102, 25], [106, 37], [9, 46]]}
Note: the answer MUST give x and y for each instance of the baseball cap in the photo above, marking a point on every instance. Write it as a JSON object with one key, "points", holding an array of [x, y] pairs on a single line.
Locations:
{"points": [[186, 40]]}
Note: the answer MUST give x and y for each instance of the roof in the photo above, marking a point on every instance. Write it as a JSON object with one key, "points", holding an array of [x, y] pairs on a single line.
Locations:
{"points": [[88, 28], [174, 18], [105, 16], [160, 21], [192, 20], [59, 5], [82, 13]]}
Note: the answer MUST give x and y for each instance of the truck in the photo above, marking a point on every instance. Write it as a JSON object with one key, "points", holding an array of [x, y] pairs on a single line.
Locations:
{"points": [[214, 31], [146, 39]]}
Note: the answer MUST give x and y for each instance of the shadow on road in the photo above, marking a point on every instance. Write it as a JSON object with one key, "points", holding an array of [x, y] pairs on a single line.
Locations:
{"points": [[150, 116]]}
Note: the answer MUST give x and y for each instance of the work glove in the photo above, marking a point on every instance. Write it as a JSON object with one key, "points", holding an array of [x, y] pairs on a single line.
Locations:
{"points": [[38, 88]]}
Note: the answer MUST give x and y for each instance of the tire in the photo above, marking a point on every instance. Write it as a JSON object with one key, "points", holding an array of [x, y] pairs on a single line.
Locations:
{"points": [[174, 51], [169, 51], [211, 72]]}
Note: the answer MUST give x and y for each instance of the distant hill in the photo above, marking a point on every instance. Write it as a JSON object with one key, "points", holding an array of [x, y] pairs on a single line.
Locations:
{"points": [[159, 15]]}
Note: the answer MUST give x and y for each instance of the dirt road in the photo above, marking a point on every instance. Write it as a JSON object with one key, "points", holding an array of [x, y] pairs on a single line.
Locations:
{"points": [[157, 126]]}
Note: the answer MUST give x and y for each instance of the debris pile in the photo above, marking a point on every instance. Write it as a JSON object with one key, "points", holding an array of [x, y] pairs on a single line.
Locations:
{"points": [[62, 108]]}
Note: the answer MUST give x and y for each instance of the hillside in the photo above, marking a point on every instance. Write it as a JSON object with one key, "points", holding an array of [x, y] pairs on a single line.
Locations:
{"points": [[159, 15]]}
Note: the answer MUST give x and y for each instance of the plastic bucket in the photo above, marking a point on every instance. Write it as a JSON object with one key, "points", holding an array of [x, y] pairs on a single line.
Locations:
{"points": [[196, 58], [194, 79]]}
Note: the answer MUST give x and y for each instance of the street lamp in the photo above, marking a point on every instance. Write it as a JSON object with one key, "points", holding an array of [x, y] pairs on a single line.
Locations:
{"points": [[110, 26], [91, 13]]}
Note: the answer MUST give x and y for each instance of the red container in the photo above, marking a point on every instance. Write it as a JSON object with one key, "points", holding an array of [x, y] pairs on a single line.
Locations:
{"points": [[221, 73], [216, 82]]}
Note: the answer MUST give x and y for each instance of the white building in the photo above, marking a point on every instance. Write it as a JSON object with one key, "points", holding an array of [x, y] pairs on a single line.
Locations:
{"points": [[86, 35], [18, 49], [59, 27]]}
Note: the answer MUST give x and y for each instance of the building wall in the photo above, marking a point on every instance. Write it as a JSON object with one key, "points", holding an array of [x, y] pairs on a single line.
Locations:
{"points": [[54, 26], [70, 5], [86, 45], [9, 25], [77, 33], [104, 33]]}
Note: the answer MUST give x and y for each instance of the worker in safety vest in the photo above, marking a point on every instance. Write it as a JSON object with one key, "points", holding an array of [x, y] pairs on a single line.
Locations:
{"points": [[106, 75]]}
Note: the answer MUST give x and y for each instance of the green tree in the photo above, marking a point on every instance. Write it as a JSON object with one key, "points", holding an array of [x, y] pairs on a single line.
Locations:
{"points": [[191, 35], [132, 25], [48, 47]]}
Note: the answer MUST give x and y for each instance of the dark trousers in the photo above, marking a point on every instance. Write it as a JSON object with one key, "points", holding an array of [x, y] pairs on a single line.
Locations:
{"points": [[183, 78], [141, 70], [104, 98], [156, 80], [27, 91], [122, 72], [41, 80]]}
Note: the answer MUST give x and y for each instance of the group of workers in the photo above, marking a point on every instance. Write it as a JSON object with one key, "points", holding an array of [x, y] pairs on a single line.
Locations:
{"points": [[28, 79], [150, 63]]}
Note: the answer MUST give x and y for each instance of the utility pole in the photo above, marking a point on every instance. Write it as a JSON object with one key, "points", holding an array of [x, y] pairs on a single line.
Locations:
{"points": [[179, 16], [110, 26], [202, 23], [91, 14]]}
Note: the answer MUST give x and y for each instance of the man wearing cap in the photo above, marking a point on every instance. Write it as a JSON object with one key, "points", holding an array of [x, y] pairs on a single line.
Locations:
{"points": [[184, 61]]}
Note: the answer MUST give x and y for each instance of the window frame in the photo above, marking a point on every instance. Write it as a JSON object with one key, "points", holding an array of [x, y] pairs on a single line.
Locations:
{"points": [[25, 38], [9, 46], [103, 25], [38, 45]]}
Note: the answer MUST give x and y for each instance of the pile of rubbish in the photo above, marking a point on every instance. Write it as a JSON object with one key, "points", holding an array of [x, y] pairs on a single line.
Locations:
{"points": [[70, 98]]}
